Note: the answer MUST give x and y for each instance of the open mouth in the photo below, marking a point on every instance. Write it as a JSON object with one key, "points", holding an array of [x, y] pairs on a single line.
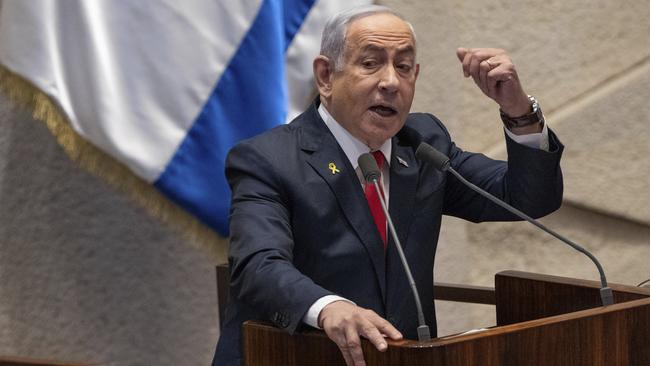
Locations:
{"points": [[384, 110]]}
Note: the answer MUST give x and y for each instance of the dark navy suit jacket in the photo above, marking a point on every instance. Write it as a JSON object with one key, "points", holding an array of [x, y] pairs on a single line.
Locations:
{"points": [[300, 232]]}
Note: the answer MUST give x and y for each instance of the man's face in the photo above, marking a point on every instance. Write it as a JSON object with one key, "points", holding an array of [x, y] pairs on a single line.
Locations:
{"points": [[372, 93]]}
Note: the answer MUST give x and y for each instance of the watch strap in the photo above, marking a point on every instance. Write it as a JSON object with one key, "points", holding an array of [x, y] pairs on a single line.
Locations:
{"points": [[535, 116]]}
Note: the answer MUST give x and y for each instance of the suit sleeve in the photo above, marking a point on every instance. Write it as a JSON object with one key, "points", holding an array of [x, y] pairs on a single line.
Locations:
{"points": [[261, 243], [531, 180]]}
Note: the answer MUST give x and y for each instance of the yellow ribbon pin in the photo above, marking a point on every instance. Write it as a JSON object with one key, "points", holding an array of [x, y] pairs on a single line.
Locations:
{"points": [[333, 168]]}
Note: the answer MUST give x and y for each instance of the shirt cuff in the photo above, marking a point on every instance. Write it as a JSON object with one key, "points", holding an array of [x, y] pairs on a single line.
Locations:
{"points": [[534, 140], [311, 318]]}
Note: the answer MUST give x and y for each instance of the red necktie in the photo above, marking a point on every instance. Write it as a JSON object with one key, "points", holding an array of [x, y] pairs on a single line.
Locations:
{"points": [[373, 200]]}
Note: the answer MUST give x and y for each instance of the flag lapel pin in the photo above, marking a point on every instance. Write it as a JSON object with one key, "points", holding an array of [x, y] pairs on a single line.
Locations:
{"points": [[402, 161]]}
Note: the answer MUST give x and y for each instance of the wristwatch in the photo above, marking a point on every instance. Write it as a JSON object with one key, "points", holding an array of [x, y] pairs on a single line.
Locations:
{"points": [[535, 116]]}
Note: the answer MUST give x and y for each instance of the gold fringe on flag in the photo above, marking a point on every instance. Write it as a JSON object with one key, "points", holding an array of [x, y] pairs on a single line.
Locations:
{"points": [[24, 94]]}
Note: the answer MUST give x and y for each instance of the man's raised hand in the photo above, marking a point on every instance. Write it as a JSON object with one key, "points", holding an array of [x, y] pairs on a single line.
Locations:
{"points": [[494, 73]]}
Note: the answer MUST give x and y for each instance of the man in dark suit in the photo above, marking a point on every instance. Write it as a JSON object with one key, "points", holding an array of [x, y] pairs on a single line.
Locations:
{"points": [[306, 246]]}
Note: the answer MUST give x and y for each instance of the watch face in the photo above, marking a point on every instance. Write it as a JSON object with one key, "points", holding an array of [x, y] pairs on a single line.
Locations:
{"points": [[535, 104], [535, 116]]}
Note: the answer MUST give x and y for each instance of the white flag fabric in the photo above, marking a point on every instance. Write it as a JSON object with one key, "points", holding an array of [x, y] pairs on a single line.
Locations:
{"points": [[167, 87]]}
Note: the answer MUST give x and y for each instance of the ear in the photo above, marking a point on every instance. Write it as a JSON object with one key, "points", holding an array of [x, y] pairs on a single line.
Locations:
{"points": [[323, 73], [417, 71]]}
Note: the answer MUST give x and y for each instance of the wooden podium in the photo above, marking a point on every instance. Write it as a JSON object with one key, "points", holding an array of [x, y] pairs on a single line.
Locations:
{"points": [[541, 320]]}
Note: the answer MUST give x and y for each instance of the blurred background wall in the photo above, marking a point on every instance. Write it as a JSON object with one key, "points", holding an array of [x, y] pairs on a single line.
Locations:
{"points": [[88, 275]]}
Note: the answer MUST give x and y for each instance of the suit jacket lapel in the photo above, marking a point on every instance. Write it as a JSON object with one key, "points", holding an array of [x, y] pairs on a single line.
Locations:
{"points": [[345, 185], [403, 185]]}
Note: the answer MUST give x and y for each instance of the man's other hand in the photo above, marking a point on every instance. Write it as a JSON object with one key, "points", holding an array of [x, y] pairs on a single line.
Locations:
{"points": [[495, 74], [344, 323]]}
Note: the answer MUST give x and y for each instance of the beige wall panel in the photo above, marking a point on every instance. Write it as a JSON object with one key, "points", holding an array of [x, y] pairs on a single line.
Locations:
{"points": [[607, 160], [85, 273], [562, 49]]}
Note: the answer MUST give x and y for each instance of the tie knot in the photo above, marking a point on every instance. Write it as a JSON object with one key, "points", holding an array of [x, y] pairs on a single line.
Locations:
{"points": [[379, 158]]}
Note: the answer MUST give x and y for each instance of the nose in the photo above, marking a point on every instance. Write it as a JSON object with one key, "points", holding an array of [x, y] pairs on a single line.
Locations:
{"points": [[388, 79]]}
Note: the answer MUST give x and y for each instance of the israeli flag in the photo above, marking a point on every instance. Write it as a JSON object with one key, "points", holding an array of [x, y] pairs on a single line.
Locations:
{"points": [[168, 87]]}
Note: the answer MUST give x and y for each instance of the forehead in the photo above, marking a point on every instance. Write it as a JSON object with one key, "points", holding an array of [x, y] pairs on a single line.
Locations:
{"points": [[381, 30]]}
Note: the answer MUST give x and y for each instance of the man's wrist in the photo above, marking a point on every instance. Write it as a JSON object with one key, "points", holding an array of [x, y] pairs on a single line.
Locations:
{"points": [[532, 116], [522, 108], [313, 313], [527, 130]]}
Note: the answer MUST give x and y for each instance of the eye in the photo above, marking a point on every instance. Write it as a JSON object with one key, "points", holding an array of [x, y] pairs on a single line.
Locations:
{"points": [[369, 63], [404, 67]]}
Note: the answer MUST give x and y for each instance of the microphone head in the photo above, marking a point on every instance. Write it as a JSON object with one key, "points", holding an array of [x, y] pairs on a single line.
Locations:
{"points": [[369, 167], [410, 137], [428, 153]]}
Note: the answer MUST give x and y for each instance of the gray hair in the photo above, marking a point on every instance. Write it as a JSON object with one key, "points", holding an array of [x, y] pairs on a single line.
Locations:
{"points": [[333, 41]]}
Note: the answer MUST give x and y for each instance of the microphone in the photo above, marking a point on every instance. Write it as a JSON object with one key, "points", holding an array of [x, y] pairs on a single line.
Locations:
{"points": [[371, 174], [440, 161]]}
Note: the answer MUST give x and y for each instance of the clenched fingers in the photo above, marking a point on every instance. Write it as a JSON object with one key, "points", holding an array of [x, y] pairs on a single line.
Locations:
{"points": [[494, 73]]}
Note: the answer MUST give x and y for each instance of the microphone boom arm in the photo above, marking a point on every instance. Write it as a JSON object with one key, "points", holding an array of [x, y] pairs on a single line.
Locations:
{"points": [[424, 333], [606, 294]]}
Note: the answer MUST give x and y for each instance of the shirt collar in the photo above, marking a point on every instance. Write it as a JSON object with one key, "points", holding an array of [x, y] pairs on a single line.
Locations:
{"points": [[352, 147]]}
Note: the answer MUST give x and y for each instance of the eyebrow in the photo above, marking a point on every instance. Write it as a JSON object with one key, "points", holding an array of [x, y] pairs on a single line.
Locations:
{"points": [[375, 48]]}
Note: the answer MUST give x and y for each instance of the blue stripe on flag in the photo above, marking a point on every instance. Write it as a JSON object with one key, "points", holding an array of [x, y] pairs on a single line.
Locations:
{"points": [[250, 97], [294, 15]]}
